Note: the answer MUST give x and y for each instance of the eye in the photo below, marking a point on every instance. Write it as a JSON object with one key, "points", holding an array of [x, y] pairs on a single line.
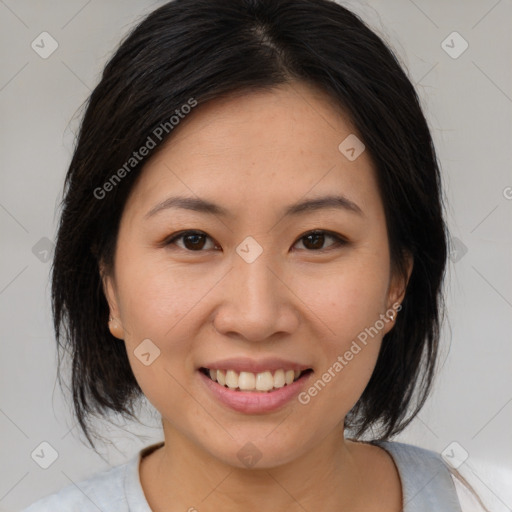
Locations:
{"points": [[192, 240], [314, 240], [196, 241]]}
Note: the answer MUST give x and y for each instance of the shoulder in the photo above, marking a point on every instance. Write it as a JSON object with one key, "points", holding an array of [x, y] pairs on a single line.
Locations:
{"points": [[102, 491], [427, 482], [411, 455]]}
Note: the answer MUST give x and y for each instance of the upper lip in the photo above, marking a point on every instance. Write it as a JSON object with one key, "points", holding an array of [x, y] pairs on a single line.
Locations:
{"points": [[244, 364]]}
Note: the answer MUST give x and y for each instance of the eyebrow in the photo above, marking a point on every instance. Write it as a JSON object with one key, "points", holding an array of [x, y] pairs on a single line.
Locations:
{"points": [[301, 207]]}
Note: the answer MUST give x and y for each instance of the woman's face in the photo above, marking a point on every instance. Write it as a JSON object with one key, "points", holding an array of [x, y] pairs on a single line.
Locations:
{"points": [[251, 289]]}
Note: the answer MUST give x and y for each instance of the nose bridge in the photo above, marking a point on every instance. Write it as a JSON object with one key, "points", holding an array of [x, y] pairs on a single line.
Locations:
{"points": [[255, 306], [255, 284]]}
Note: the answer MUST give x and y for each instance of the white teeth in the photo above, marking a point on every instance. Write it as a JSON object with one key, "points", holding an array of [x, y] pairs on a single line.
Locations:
{"points": [[221, 377], [248, 381], [231, 379], [264, 381], [279, 379]]}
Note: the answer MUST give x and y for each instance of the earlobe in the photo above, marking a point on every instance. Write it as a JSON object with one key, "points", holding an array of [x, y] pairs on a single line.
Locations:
{"points": [[399, 284], [115, 328], [114, 324]]}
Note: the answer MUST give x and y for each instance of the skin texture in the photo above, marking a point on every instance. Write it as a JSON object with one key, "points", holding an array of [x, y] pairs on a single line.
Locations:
{"points": [[255, 154]]}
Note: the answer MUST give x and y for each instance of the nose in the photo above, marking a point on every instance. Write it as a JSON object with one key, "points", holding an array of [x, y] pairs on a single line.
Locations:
{"points": [[256, 302]]}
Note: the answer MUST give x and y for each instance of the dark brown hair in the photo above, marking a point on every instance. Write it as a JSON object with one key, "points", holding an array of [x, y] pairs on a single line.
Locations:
{"points": [[205, 49]]}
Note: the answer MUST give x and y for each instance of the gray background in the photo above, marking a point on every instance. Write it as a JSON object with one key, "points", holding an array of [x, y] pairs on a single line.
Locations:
{"points": [[468, 102]]}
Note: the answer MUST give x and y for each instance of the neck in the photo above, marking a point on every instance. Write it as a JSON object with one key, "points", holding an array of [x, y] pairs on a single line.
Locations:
{"points": [[326, 477]]}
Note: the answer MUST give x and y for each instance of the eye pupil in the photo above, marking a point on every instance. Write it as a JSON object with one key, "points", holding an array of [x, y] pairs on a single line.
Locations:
{"points": [[194, 244], [318, 240], [312, 241]]}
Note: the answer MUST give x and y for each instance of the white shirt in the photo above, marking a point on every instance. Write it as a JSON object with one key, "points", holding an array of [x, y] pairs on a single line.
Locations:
{"points": [[427, 485]]}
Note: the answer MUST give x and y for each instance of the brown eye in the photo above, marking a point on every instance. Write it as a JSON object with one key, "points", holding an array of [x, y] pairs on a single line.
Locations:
{"points": [[315, 240], [191, 240]]}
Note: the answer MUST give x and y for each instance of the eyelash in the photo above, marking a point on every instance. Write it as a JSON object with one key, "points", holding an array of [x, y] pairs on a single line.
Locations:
{"points": [[339, 241]]}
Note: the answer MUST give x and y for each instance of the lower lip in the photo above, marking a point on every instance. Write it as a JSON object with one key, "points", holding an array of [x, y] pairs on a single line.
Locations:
{"points": [[253, 402]]}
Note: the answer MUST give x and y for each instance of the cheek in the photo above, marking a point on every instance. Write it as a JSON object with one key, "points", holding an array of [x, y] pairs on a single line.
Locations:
{"points": [[348, 306], [154, 313], [348, 297], [157, 296], [155, 302]]}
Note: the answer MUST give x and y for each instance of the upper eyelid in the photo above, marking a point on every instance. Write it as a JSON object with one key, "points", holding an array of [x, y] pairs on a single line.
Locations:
{"points": [[177, 236], [337, 237]]}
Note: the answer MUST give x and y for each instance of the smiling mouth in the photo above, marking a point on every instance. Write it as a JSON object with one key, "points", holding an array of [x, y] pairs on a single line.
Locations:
{"points": [[263, 382]]}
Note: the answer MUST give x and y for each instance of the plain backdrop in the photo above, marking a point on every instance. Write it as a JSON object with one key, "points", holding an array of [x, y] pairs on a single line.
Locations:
{"points": [[466, 93]]}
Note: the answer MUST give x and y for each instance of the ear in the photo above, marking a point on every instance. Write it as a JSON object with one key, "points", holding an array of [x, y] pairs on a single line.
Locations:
{"points": [[109, 289], [398, 284]]}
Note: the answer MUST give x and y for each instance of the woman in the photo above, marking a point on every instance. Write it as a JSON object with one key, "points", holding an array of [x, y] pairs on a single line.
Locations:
{"points": [[252, 238]]}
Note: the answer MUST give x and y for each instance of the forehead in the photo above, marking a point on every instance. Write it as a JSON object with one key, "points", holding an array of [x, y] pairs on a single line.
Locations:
{"points": [[269, 146], [287, 119]]}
